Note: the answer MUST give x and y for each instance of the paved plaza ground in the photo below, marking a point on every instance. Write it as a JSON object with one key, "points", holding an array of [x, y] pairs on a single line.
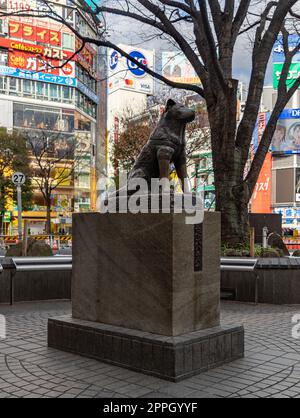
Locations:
{"points": [[28, 368]]}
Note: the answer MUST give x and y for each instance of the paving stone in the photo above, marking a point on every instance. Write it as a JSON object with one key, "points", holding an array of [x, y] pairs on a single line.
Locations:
{"points": [[29, 369]]}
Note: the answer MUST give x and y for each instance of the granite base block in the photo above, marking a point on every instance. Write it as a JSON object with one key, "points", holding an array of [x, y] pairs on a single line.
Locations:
{"points": [[169, 358]]}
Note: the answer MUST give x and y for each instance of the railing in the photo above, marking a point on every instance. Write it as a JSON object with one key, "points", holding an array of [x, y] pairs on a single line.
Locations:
{"points": [[240, 265], [31, 264]]}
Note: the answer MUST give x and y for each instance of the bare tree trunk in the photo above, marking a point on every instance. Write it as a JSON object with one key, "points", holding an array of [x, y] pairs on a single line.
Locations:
{"points": [[232, 192], [232, 201]]}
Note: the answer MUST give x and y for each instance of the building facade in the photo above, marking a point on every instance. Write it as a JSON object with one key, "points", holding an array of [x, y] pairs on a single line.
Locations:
{"points": [[278, 186], [128, 90], [48, 90]]}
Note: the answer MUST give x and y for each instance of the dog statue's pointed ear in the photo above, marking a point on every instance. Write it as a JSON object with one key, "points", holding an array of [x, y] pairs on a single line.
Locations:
{"points": [[169, 104]]}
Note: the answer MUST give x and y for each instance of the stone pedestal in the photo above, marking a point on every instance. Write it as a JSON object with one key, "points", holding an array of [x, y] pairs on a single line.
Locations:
{"points": [[146, 294]]}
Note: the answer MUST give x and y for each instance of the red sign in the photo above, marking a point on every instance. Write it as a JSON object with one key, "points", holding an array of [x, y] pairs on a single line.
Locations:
{"points": [[261, 199], [68, 69], [48, 52], [31, 62], [34, 33], [85, 57]]}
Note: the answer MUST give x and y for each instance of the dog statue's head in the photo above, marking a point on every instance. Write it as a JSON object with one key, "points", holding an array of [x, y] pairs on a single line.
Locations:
{"points": [[178, 111]]}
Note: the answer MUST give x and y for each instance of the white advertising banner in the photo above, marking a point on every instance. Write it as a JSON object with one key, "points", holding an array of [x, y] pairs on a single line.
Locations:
{"points": [[125, 75]]}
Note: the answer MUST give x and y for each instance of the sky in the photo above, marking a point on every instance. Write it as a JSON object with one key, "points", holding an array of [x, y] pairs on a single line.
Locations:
{"points": [[127, 31]]}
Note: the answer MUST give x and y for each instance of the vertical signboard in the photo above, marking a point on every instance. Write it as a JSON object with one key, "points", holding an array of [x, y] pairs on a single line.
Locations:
{"points": [[261, 199], [278, 57], [261, 123]]}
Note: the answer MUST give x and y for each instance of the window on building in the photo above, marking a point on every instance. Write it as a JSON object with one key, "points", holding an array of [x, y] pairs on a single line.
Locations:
{"points": [[67, 94], [67, 122], [84, 181], [27, 88], [68, 41], [54, 92], [68, 14], [3, 57], [202, 163], [40, 90], [13, 85], [3, 27], [3, 85]]}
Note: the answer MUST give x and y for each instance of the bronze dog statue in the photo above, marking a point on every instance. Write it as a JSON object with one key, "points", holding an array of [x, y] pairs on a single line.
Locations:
{"points": [[166, 145]]}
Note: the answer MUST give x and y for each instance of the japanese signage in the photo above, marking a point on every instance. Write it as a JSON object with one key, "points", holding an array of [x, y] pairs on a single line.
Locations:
{"points": [[261, 123], [177, 68], [89, 93], [294, 73], [31, 62], [50, 78], [278, 50], [37, 76], [23, 57], [279, 59], [261, 199], [47, 52], [289, 214], [85, 57], [34, 33]]}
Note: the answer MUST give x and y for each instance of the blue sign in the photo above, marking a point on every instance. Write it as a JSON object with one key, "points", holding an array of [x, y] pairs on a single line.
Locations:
{"points": [[137, 55], [49, 78], [89, 93], [278, 50], [114, 59], [31, 75], [257, 134], [290, 114], [286, 138]]}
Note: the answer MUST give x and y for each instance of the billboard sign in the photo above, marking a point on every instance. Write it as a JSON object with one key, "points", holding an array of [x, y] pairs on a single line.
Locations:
{"points": [[278, 56], [278, 51], [31, 62], [261, 123], [294, 74], [125, 75], [177, 68], [34, 33], [88, 92], [286, 138], [261, 199], [47, 52], [49, 78], [38, 76]]}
